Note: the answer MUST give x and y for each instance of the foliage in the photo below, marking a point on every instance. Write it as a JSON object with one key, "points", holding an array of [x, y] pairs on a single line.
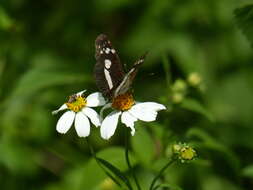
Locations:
{"points": [[244, 17], [47, 53]]}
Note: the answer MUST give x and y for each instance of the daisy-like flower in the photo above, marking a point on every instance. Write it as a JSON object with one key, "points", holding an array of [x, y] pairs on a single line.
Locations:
{"points": [[130, 112], [79, 111]]}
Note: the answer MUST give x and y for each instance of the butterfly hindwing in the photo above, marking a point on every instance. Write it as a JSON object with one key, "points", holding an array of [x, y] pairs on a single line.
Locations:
{"points": [[108, 69], [127, 81]]}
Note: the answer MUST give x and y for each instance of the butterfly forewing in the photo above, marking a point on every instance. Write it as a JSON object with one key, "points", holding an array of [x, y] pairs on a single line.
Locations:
{"points": [[127, 81], [108, 69]]}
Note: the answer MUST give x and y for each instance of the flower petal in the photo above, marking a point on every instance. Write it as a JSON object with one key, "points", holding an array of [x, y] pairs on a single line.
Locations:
{"points": [[95, 99], [63, 107], [143, 114], [65, 122], [128, 120], [106, 106], [82, 125], [151, 105], [92, 115], [80, 93], [109, 124]]}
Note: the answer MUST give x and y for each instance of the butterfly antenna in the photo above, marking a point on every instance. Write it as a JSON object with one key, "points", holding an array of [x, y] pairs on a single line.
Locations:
{"points": [[141, 59], [145, 54]]}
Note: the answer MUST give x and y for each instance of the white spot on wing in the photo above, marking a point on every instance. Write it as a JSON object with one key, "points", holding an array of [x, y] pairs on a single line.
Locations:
{"points": [[113, 51], [107, 50], [108, 78], [108, 63]]}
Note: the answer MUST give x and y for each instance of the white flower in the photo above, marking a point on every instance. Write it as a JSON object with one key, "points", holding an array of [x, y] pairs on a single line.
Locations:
{"points": [[130, 112], [80, 111]]}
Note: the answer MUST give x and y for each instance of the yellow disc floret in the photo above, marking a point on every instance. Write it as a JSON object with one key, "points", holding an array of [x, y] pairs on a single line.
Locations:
{"points": [[76, 103], [187, 153], [123, 102]]}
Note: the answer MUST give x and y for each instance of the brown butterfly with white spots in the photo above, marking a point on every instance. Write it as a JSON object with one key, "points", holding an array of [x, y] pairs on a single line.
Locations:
{"points": [[109, 74]]}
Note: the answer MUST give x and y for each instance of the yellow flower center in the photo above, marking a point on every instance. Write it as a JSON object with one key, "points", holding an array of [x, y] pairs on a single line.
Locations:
{"points": [[123, 102], [187, 153], [76, 103]]}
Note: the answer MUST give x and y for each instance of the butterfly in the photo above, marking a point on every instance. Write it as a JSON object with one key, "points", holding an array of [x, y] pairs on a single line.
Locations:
{"points": [[110, 77]]}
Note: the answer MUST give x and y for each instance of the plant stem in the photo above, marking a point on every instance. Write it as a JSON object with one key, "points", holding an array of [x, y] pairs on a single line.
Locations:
{"points": [[128, 161], [160, 173], [95, 157], [167, 70]]}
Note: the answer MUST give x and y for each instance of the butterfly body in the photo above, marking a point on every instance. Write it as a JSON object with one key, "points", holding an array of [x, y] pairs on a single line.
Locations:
{"points": [[109, 74]]}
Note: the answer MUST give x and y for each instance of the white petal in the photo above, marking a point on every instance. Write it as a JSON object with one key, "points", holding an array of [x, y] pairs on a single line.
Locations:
{"points": [[80, 93], [151, 105], [65, 122], [92, 115], [109, 124], [63, 107], [143, 112], [82, 125], [106, 106], [95, 99], [128, 120]]}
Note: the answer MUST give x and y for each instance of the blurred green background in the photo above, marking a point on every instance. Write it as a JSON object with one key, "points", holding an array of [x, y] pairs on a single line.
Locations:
{"points": [[47, 54]]}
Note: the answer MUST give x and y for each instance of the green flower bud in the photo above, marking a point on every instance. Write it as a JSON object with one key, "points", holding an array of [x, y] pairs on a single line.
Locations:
{"points": [[177, 97], [176, 148], [187, 153], [194, 79], [179, 86], [183, 152], [107, 184]]}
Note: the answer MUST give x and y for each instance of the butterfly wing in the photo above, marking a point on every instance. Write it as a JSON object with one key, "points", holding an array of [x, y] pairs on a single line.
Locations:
{"points": [[108, 69], [127, 81]]}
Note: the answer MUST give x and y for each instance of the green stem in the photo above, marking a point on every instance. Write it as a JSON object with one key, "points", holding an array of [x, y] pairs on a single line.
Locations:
{"points": [[160, 173], [167, 70], [128, 162], [95, 157]]}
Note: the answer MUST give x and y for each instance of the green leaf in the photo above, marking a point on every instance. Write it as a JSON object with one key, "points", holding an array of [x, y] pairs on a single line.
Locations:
{"points": [[5, 21], [15, 156], [111, 5], [212, 182], [211, 144], [27, 89], [244, 18], [194, 105], [116, 155], [248, 171], [143, 146], [115, 171], [167, 186], [92, 174]]}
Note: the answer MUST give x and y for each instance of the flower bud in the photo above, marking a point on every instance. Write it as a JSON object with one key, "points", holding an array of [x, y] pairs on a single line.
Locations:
{"points": [[176, 148], [107, 184], [183, 152], [177, 97], [179, 86], [194, 79], [187, 153]]}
